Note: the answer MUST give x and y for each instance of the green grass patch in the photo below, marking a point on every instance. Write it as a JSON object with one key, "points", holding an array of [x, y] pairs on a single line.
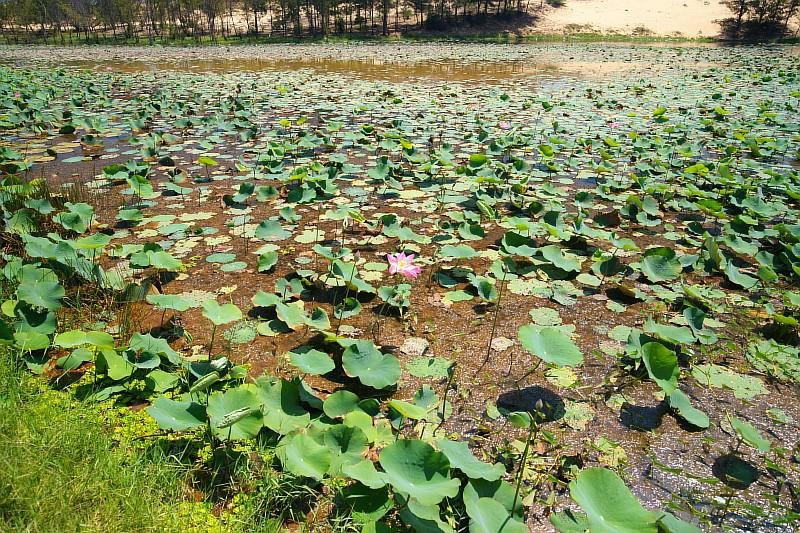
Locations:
{"points": [[62, 470]]}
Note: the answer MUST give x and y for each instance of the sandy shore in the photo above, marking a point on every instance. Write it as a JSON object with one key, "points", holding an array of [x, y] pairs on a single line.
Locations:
{"points": [[687, 18]]}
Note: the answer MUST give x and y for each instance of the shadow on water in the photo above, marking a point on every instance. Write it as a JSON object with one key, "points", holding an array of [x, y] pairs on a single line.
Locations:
{"points": [[525, 400], [641, 417], [734, 471]]}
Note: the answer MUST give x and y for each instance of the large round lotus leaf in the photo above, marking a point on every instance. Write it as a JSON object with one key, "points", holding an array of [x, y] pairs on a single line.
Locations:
{"points": [[559, 259], [304, 454], [413, 467], [177, 416], [461, 457], [267, 260], [458, 251], [41, 294], [221, 314], [92, 242], [550, 344], [673, 334], [280, 400], [340, 403], [76, 337], [364, 472], [292, 315], [609, 504], [489, 516], [347, 445], [660, 264], [142, 359], [221, 258], [163, 260], [311, 361], [364, 361], [271, 230], [175, 302], [147, 343], [235, 414], [662, 365]]}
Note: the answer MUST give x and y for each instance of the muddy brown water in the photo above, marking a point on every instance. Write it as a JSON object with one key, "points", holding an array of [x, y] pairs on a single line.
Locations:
{"points": [[374, 69]]}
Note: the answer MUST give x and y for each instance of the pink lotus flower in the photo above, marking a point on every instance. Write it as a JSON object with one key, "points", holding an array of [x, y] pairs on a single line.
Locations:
{"points": [[17, 95], [504, 125], [614, 125], [403, 264]]}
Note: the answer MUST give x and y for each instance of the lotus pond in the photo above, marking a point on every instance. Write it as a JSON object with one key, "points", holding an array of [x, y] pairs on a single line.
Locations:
{"points": [[440, 287]]}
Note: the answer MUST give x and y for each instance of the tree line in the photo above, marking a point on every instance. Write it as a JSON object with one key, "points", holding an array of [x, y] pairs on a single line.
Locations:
{"points": [[760, 18], [68, 20]]}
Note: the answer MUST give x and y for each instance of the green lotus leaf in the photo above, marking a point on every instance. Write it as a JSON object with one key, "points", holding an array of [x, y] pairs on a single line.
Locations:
{"points": [[669, 523], [550, 344], [460, 457], [235, 414], [366, 505], [162, 260], [347, 444], [93, 242], [739, 278], [271, 230], [679, 401], [609, 504], [220, 257], [281, 408], [364, 361], [175, 302], [489, 516], [422, 518], [660, 264], [672, 334], [498, 490], [749, 434], [364, 472], [408, 410], [305, 454], [311, 361], [221, 314], [147, 343], [517, 244], [568, 521], [662, 365], [42, 294], [76, 337], [413, 467], [177, 416], [267, 260], [115, 366], [460, 251], [340, 403], [559, 259]]}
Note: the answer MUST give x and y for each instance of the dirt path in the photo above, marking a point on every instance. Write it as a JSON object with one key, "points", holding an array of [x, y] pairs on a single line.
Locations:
{"points": [[689, 18]]}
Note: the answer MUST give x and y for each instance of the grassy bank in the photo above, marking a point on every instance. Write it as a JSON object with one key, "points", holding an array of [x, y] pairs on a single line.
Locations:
{"points": [[63, 469]]}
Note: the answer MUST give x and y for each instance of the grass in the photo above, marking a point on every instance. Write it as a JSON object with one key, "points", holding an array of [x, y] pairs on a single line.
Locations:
{"points": [[69, 466], [62, 470]]}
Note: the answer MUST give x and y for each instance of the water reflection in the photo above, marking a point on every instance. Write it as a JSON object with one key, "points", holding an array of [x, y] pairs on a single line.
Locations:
{"points": [[375, 69]]}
